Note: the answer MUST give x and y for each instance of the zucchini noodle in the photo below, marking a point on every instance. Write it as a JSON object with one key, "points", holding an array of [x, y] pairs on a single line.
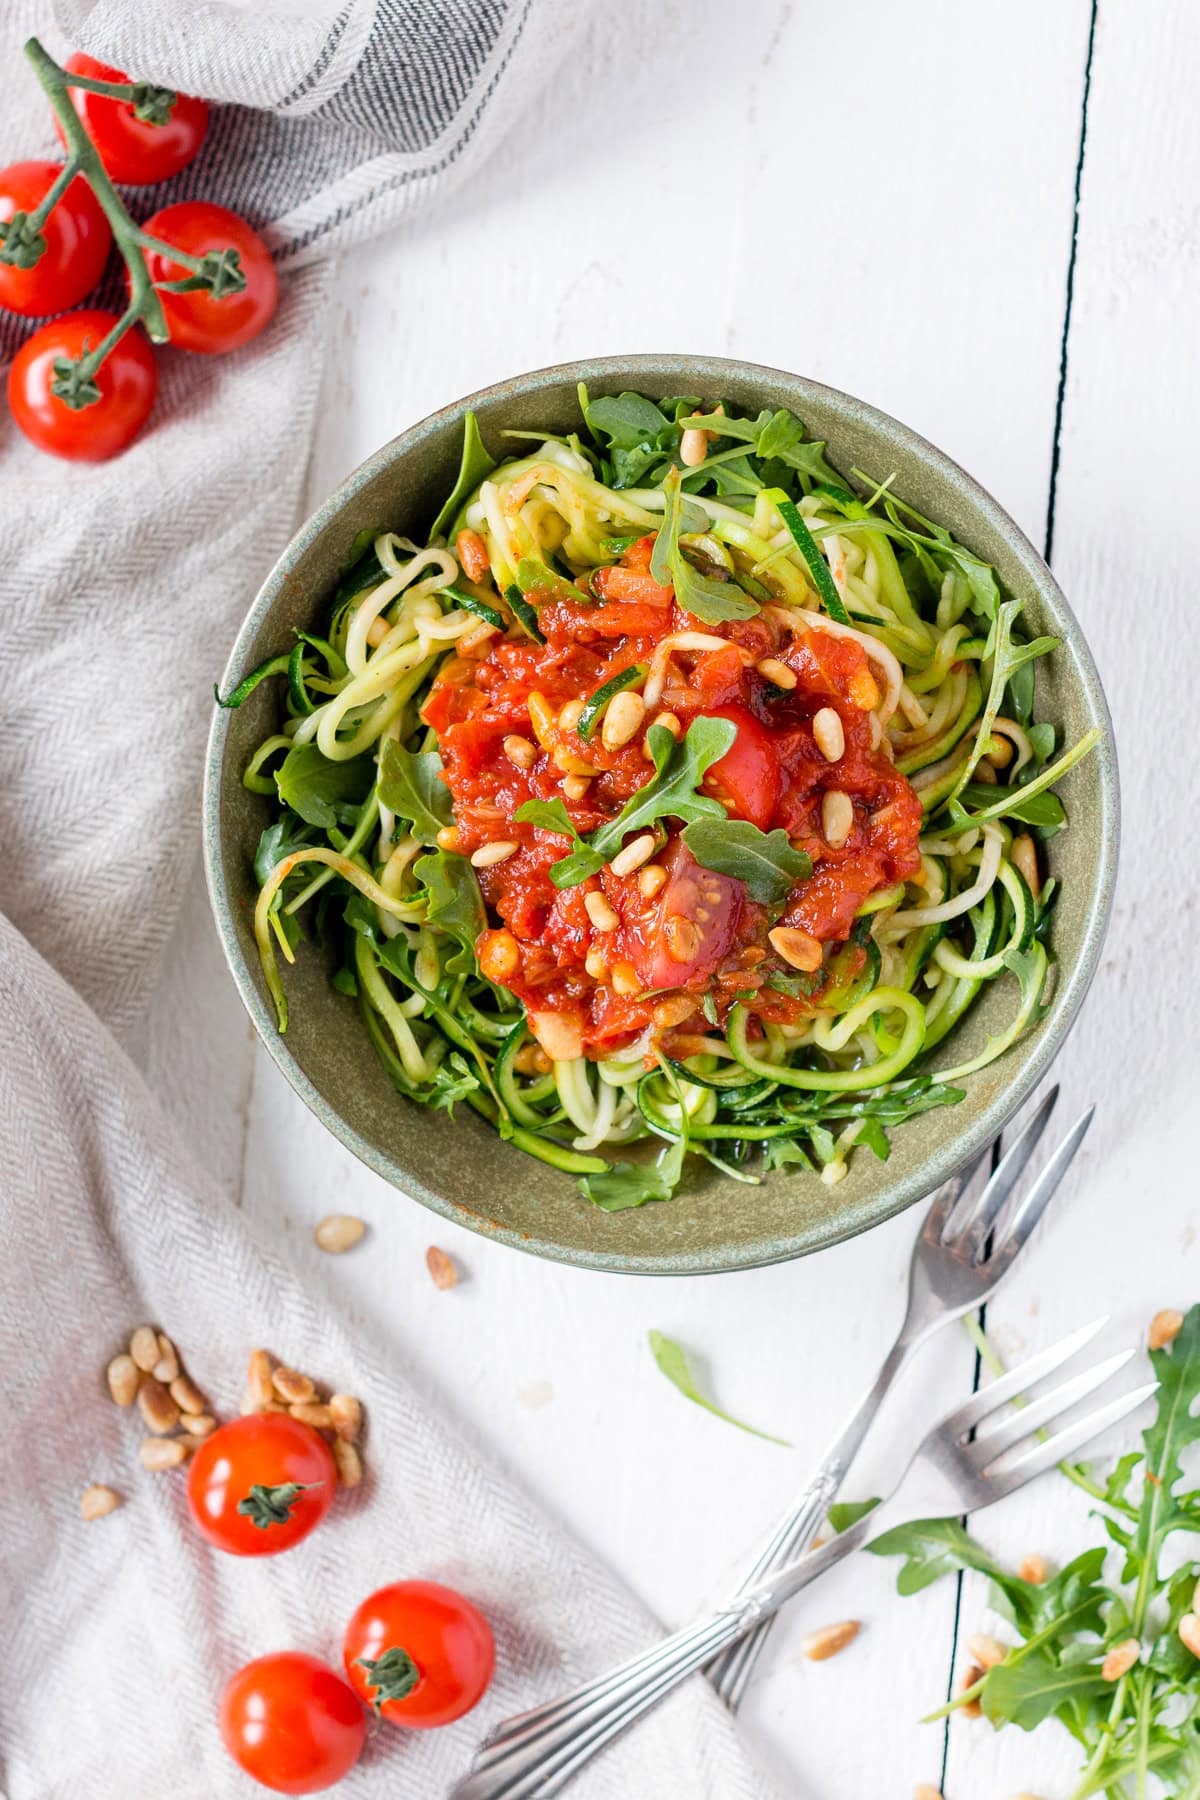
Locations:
{"points": [[797, 1046]]}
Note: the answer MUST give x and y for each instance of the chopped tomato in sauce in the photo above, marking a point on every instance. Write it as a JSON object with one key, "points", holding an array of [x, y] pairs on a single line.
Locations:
{"points": [[695, 935]]}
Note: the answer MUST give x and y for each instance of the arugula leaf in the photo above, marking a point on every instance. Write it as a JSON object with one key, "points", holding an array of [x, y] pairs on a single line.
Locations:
{"points": [[702, 595], [639, 435], [1025, 1692], [1043, 810], [475, 466], [786, 1152], [626, 1185], [763, 860], [776, 437], [314, 787], [453, 903], [931, 1548], [672, 1360], [551, 815], [845, 1513], [412, 786], [673, 790], [286, 835]]}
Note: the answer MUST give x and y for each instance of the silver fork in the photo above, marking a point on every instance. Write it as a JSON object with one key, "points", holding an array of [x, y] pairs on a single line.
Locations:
{"points": [[956, 1469], [966, 1247]]}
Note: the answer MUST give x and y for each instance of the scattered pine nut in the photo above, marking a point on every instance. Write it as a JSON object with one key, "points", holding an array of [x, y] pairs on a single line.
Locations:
{"points": [[348, 1461], [167, 1366], [440, 1267], [683, 938], [1034, 1570], [971, 1709], [603, 916], [799, 948], [252, 1405], [346, 1414], [638, 851], [488, 855], [837, 817], [576, 786], [1189, 1633], [198, 1425], [314, 1413], [519, 751], [670, 722], [622, 719], [652, 878], [260, 1388], [447, 837], [97, 1501], [1165, 1327], [499, 954], [187, 1395], [772, 669], [1023, 855], [123, 1378], [143, 1347], [157, 1407], [829, 734], [925, 1790], [674, 1011], [987, 1651], [338, 1232], [820, 1645], [624, 979], [569, 714], [158, 1453], [1121, 1658], [693, 447], [292, 1387], [596, 963]]}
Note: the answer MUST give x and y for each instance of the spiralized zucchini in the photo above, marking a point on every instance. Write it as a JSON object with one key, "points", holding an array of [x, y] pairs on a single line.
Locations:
{"points": [[353, 855]]}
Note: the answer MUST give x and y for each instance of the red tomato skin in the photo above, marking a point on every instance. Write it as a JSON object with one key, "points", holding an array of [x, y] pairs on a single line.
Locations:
{"points": [[78, 239], [747, 778], [134, 153], [292, 1723], [199, 321], [268, 1449], [445, 1634], [127, 379]]}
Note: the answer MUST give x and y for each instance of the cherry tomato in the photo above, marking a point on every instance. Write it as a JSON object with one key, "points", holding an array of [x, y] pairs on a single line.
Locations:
{"points": [[747, 778], [666, 954], [127, 379], [133, 151], [260, 1484], [292, 1723], [419, 1653], [201, 321], [77, 238]]}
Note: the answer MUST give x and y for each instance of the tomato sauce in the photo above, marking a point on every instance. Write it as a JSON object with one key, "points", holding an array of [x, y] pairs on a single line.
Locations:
{"points": [[685, 938]]}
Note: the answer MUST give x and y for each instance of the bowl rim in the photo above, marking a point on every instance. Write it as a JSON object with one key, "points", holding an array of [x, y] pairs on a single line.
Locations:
{"points": [[1069, 994]]}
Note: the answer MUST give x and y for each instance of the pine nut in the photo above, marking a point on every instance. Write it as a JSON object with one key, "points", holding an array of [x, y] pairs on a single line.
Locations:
{"points": [[338, 1232], [441, 1269], [1189, 1633], [673, 1011], [1165, 1327], [520, 751], [377, 630], [157, 1407], [292, 1387], [499, 955], [925, 1791], [1121, 1659], [447, 838], [777, 673], [348, 1461], [799, 948], [818, 1646], [670, 722], [1033, 1570], [158, 1453], [123, 1378], [971, 1709], [498, 851], [600, 912], [576, 786], [829, 734], [634, 854], [651, 880], [251, 1405], [187, 1395], [569, 715], [198, 1425], [984, 772], [683, 939], [622, 719], [693, 447], [987, 1651], [596, 964], [143, 1347], [346, 1413], [314, 1413], [624, 979], [1023, 855], [1001, 753], [837, 817], [167, 1366], [258, 1378], [97, 1501]]}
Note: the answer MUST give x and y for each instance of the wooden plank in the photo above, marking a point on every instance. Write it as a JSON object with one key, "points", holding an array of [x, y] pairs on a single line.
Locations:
{"points": [[885, 205]]}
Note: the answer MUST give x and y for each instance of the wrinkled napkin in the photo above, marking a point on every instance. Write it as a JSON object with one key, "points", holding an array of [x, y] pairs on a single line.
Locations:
{"points": [[119, 586]]}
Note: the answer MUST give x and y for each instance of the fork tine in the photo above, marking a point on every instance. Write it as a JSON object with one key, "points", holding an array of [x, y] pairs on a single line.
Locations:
{"points": [[999, 1392], [971, 1222], [990, 1445], [1013, 1232], [1040, 1457], [949, 1194]]}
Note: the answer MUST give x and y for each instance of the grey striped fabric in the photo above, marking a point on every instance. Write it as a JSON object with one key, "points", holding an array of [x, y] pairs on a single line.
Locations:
{"points": [[121, 586]]}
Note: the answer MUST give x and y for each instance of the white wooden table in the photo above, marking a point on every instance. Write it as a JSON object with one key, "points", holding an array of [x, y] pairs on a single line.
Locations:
{"points": [[884, 197]]}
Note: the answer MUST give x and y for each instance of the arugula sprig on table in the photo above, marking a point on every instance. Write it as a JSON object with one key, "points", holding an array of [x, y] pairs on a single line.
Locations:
{"points": [[1146, 1723]]}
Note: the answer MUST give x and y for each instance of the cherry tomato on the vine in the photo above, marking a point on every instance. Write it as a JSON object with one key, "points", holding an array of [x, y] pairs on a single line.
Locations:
{"points": [[292, 1723], [133, 151], [199, 320], [261, 1483], [127, 380], [77, 238], [419, 1653]]}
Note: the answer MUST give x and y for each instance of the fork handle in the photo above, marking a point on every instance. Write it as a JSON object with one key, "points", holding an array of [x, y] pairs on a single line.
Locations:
{"points": [[730, 1673]]}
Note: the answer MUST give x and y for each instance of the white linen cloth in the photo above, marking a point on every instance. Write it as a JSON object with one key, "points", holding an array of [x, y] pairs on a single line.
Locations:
{"points": [[120, 587]]}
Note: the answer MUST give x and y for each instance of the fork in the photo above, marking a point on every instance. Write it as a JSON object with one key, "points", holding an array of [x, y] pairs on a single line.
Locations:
{"points": [[965, 1249], [956, 1469]]}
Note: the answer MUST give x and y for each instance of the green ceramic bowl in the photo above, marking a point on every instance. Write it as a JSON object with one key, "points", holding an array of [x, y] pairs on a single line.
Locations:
{"points": [[459, 1167]]}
